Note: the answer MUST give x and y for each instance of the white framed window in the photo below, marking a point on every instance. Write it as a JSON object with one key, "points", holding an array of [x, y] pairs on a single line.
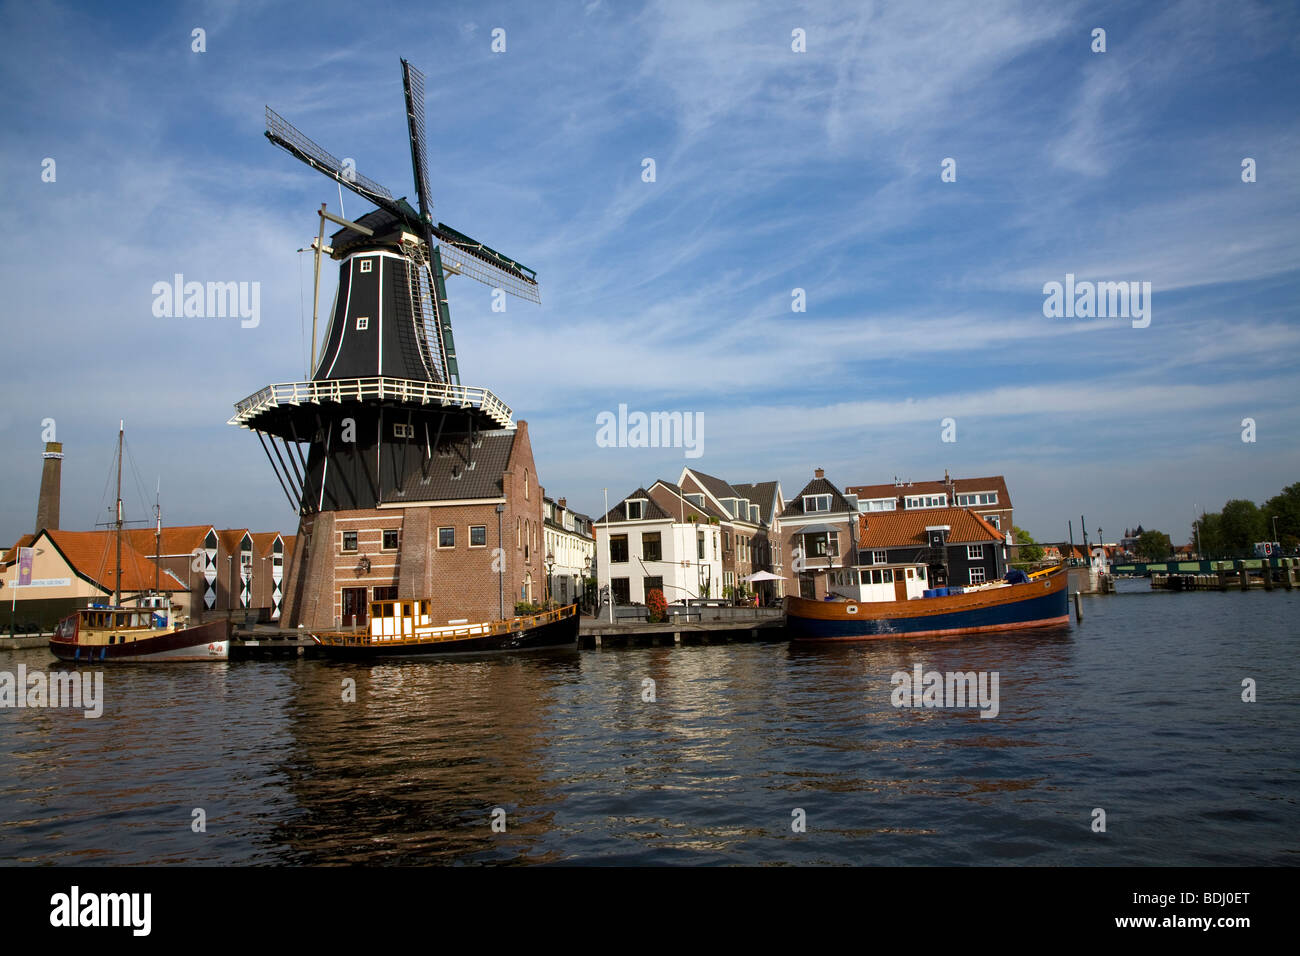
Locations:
{"points": [[363, 322], [401, 430], [816, 503], [697, 500], [879, 557], [636, 509], [925, 501], [446, 538], [975, 552], [976, 575], [995, 521], [367, 265]]}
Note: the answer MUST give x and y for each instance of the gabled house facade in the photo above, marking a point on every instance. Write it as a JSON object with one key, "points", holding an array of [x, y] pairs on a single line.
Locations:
{"points": [[570, 550], [641, 545], [817, 530], [746, 515]]}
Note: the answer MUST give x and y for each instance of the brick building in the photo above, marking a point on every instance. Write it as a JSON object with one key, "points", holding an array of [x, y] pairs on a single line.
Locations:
{"points": [[466, 532]]}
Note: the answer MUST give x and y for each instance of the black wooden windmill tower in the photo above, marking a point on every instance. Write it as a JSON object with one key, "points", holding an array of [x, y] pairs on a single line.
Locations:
{"points": [[384, 403]]}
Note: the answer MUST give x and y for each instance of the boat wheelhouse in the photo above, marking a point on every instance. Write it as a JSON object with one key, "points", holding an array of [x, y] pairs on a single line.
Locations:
{"points": [[137, 634]]}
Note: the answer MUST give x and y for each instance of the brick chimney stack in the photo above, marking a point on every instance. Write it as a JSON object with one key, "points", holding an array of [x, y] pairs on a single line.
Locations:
{"points": [[47, 505], [563, 503], [819, 473]]}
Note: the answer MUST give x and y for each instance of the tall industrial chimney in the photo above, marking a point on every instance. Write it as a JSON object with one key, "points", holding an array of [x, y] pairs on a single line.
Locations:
{"points": [[47, 506]]}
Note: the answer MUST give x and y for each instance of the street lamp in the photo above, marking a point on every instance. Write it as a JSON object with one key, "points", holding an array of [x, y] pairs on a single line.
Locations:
{"points": [[586, 573], [550, 585]]}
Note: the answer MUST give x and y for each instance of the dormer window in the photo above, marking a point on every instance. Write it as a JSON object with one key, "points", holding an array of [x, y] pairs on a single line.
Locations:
{"points": [[697, 500], [635, 509], [813, 504], [925, 501], [753, 514]]}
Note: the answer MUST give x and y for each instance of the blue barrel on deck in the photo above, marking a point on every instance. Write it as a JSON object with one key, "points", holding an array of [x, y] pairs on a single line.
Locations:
{"points": [[940, 592]]}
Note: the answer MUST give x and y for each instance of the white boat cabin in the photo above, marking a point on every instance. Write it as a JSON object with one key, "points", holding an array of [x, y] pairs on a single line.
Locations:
{"points": [[411, 621], [894, 582]]}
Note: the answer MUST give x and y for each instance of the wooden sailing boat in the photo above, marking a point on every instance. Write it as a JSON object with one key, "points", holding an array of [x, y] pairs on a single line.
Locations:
{"points": [[144, 633]]}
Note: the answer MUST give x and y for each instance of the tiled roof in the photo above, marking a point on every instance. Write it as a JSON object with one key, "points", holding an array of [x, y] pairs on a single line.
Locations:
{"points": [[94, 555], [961, 486], [652, 510], [715, 486], [182, 539], [901, 529], [450, 478], [818, 486], [668, 499], [11, 555], [763, 494]]}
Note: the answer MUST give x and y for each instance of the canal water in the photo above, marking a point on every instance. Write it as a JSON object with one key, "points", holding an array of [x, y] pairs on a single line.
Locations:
{"points": [[746, 754]]}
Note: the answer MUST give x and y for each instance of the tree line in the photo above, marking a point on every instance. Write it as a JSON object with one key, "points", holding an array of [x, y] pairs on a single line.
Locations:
{"points": [[1233, 530]]}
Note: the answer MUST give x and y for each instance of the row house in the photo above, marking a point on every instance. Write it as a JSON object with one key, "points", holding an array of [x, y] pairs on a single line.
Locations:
{"points": [[644, 546], [570, 550], [817, 529], [220, 570], [986, 497], [746, 515]]}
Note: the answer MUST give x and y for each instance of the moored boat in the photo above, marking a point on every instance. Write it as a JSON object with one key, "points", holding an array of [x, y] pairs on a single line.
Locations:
{"points": [[144, 633], [133, 635], [406, 629], [1039, 600]]}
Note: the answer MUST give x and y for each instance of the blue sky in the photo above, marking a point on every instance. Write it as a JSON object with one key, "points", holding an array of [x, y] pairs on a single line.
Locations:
{"points": [[775, 170]]}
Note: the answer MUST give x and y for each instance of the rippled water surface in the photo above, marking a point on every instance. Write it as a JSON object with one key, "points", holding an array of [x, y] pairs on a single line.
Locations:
{"points": [[1137, 711]]}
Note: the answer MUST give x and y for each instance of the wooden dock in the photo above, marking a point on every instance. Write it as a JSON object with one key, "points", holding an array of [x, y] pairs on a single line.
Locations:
{"points": [[261, 642], [714, 625]]}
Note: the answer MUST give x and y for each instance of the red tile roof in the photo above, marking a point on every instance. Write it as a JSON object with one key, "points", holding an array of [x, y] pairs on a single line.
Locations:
{"points": [[93, 554], [901, 529], [11, 555], [181, 539]]}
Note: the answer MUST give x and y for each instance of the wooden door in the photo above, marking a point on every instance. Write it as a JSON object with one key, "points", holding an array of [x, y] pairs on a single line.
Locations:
{"points": [[354, 604], [900, 585]]}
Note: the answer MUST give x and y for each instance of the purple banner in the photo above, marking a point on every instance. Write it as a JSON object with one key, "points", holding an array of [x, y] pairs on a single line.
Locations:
{"points": [[24, 567]]}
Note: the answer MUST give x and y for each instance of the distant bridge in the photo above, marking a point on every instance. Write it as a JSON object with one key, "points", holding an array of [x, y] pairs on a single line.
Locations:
{"points": [[1142, 569]]}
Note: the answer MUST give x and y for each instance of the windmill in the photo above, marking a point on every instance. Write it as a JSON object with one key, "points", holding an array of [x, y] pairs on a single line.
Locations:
{"points": [[384, 394]]}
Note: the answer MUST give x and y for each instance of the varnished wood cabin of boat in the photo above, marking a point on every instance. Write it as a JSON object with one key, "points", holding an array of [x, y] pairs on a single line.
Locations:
{"points": [[113, 625]]}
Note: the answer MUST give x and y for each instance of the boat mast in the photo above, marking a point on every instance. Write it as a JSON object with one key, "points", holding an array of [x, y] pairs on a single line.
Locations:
{"points": [[157, 538], [117, 591]]}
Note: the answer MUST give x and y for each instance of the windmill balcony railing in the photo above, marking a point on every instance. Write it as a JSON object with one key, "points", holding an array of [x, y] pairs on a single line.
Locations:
{"points": [[370, 389]]}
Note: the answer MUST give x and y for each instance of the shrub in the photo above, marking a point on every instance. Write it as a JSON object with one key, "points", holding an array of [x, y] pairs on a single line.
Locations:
{"points": [[657, 605]]}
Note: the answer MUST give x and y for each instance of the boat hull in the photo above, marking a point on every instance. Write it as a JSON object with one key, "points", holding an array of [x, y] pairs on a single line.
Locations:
{"points": [[552, 634], [1038, 603], [205, 642]]}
